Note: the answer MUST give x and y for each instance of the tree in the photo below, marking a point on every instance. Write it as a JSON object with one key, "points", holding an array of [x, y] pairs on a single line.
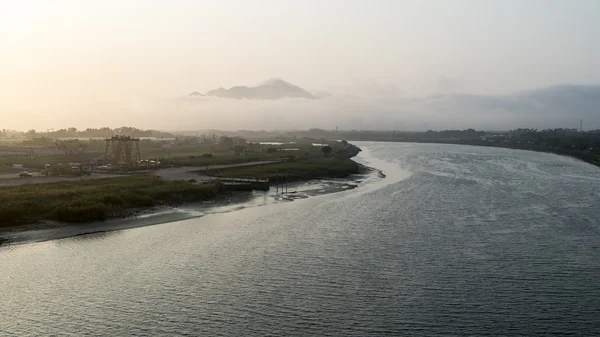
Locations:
{"points": [[226, 142], [326, 150], [239, 149], [71, 146]]}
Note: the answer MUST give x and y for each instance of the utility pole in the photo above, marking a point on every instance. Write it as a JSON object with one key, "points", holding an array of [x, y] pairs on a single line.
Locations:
{"points": [[581, 125]]}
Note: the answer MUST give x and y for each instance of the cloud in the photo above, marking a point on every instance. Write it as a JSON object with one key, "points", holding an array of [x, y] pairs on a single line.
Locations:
{"points": [[559, 106], [446, 85]]}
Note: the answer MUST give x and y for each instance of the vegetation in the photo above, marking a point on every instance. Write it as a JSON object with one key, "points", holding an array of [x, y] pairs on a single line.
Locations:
{"points": [[32, 160], [68, 146], [300, 170], [235, 150], [99, 132], [582, 145], [216, 159], [90, 200]]}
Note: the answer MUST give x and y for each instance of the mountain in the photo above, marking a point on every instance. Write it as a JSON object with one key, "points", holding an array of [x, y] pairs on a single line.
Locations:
{"points": [[548, 107], [195, 93], [270, 90]]}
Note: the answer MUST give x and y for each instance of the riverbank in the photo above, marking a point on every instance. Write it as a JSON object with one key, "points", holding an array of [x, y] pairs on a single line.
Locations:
{"points": [[84, 206], [587, 156], [280, 173], [92, 200], [225, 202], [582, 145]]}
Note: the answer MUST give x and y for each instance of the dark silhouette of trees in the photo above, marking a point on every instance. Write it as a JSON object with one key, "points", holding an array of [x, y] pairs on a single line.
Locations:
{"points": [[103, 132]]}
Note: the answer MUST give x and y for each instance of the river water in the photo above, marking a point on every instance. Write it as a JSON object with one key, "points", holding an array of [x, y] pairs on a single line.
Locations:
{"points": [[454, 241]]}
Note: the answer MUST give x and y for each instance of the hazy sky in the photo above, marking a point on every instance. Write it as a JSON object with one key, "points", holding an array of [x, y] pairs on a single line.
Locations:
{"points": [[62, 61]]}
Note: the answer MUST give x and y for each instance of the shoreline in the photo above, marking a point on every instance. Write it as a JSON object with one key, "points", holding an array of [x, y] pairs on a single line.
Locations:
{"points": [[91, 200], [494, 145], [167, 213]]}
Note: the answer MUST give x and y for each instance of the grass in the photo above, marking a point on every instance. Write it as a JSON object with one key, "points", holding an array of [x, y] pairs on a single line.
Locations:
{"points": [[218, 159], [184, 156], [91, 200], [188, 155], [39, 161], [300, 170]]}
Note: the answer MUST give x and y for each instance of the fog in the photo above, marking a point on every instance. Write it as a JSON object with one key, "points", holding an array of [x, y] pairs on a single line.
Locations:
{"points": [[554, 107], [405, 65]]}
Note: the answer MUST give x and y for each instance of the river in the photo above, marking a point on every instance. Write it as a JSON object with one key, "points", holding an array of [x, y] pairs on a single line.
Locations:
{"points": [[455, 241]]}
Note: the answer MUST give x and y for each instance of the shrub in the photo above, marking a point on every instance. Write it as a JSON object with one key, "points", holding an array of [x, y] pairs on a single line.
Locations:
{"points": [[83, 213], [113, 199], [88, 200]]}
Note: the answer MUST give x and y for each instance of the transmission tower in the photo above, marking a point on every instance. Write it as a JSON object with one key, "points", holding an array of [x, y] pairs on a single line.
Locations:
{"points": [[123, 151]]}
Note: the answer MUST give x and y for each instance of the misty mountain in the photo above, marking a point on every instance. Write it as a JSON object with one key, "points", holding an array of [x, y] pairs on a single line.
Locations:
{"points": [[560, 106], [270, 90], [195, 93]]}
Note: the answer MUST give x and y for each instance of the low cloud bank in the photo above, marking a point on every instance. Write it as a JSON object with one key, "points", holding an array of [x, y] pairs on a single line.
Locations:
{"points": [[559, 106]]}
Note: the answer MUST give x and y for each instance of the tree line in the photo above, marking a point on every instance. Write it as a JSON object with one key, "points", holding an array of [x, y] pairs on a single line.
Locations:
{"points": [[96, 132]]}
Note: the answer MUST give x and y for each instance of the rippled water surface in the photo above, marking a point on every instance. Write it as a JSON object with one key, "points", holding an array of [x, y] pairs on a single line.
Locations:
{"points": [[455, 241]]}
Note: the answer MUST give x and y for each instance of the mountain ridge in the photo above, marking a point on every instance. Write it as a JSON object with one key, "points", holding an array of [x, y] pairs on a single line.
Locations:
{"points": [[272, 89]]}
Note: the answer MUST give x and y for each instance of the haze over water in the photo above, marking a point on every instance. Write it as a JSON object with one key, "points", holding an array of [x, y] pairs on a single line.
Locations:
{"points": [[455, 241]]}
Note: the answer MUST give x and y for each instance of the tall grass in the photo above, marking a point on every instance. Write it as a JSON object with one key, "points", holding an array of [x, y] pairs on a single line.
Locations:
{"points": [[89, 200], [300, 170]]}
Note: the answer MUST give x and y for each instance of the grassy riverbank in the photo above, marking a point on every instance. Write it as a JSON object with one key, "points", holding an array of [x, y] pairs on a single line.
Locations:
{"points": [[295, 171], [83, 201], [80, 201], [91, 200]]}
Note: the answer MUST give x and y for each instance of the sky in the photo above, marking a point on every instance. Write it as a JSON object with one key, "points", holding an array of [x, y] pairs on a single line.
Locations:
{"points": [[111, 63]]}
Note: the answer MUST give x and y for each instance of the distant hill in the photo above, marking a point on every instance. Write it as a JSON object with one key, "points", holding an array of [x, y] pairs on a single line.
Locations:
{"points": [[550, 107], [270, 90], [195, 93], [579, 101]]}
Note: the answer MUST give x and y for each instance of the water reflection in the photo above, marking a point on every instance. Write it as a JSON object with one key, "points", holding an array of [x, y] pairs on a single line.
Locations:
{"points": [[468, 244]]}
